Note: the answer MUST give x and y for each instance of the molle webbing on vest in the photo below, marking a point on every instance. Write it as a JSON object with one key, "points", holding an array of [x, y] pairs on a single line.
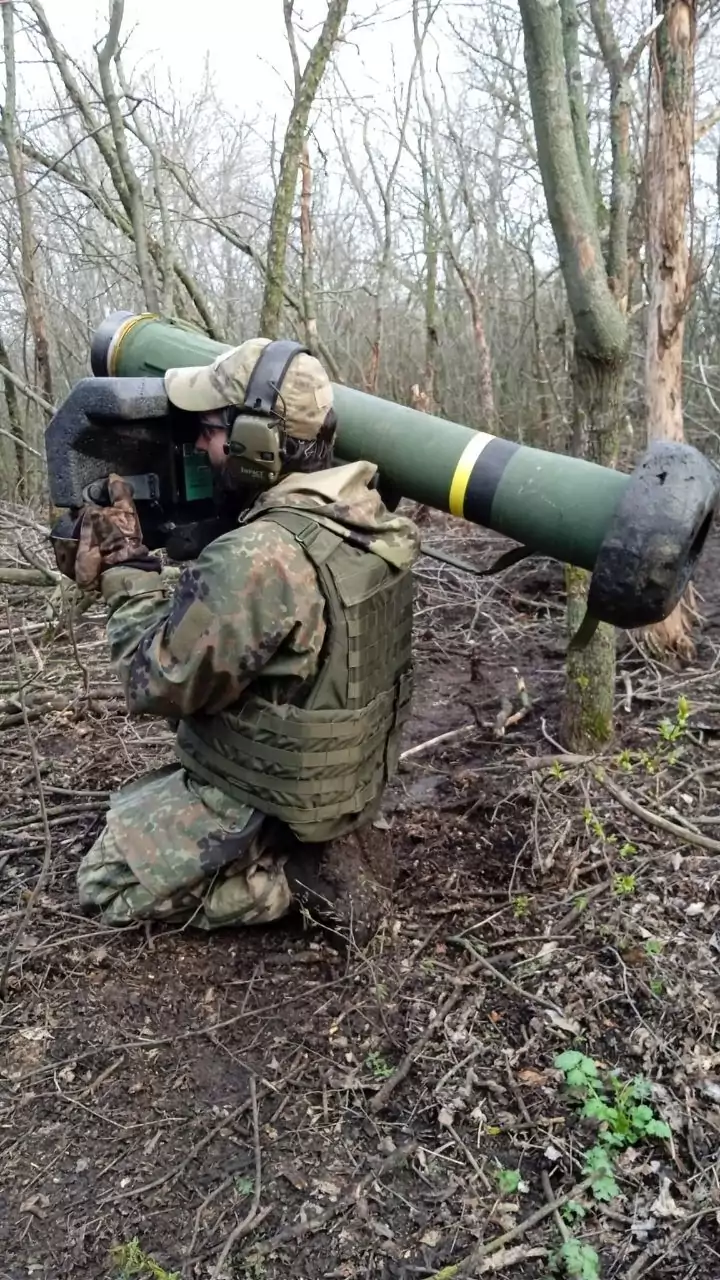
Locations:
{"points": [[321, 767]]}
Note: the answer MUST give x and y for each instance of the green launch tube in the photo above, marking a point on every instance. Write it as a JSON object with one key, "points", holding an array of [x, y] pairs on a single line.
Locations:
{"points": [[639, 533], [560, 506]]}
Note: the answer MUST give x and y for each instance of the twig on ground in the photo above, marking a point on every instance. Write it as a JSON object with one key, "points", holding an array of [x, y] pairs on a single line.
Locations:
{"points": [[517, 1094], [47, 852], [654, 820], [11, 577], [584, 900], [433, 742], [499, 976], [70, 628], [510, 1258], [17, 822], [171, 1175], [50, 575], [506, 717], [515, 1233], [350, 1196], [565, 758], [642, 1266], [548, 1193], [382, 1096], [204, 1204], [252, 1218]]}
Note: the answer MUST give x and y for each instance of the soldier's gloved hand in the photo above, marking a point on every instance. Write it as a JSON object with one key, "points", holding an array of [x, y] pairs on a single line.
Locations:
{"points": [[110, 536]]}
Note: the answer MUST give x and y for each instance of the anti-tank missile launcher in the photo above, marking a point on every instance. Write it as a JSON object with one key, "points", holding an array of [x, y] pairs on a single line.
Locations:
{"points": [[640, 534]]}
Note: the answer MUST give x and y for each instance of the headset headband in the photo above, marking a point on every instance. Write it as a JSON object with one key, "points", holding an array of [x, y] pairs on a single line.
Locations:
{"points": [[267, 376]]}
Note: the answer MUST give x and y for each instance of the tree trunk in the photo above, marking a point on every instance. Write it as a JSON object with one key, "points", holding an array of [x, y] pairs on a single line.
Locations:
{"points": [[14, 420], [308, 275], [431, 316], [29, 285], [668, 196], [598, 388], [601, 333], [307, 86]]}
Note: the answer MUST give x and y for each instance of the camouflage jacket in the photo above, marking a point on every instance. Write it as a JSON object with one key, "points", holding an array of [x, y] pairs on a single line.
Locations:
{"points": [[248, 608]]}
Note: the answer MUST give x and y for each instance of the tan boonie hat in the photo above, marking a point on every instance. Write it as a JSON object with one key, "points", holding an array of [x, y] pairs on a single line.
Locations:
{"points": [[305, 395]]}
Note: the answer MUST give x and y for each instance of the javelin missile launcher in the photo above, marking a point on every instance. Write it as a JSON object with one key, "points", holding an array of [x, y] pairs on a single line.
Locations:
{"points": [[639, 534]]}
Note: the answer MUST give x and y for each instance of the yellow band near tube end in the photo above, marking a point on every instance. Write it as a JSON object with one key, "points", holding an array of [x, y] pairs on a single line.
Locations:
{"points": [[122, 333], [463, 470]]}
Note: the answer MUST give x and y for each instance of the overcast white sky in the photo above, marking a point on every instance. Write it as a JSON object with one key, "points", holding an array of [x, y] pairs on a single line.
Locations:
{"points": [[244, 42]]}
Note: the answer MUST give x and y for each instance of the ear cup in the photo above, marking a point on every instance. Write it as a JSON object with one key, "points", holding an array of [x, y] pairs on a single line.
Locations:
{"points": [[255, 450]]}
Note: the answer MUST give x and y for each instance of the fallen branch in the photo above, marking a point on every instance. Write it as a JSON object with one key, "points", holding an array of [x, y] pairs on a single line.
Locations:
{"points": [[565, 758], [500, 977], [433, 742], [510, 1258], [36, 562], [485, 1250], [252, 1218], [27, 578], [654, 820], [381, 1097]]}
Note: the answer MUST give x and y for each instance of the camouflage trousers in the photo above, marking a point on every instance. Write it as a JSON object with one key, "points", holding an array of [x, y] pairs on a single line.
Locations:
{"points": [[176, 850]]}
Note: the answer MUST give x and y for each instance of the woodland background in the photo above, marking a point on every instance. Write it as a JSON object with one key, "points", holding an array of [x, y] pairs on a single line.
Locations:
{"points": [[528, 243], [518, 229]]}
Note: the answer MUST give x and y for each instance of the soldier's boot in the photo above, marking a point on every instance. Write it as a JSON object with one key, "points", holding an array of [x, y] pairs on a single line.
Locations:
{"points": [[345, 886]]}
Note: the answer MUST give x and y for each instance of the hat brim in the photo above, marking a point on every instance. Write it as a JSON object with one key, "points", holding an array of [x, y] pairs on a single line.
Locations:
{"points": [[194, 389]]}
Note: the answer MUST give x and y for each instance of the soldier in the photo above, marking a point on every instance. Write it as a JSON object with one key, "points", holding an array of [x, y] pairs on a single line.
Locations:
{"points": [[282, 659]]}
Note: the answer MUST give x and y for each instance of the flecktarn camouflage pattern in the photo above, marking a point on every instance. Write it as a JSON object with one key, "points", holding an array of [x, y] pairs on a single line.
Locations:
{"points": [[307, 395], [175, 850], [249, 611]]}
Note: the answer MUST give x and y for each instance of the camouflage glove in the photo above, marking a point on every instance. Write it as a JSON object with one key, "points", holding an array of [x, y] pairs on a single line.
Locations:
{"points": [[105, 537]]}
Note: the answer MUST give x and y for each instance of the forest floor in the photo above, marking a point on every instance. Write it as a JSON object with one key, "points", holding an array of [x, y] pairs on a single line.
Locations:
{"points": [[246, 1103]]}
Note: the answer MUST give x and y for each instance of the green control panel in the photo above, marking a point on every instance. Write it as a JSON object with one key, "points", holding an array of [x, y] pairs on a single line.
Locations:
{"points": [[197, 474]]}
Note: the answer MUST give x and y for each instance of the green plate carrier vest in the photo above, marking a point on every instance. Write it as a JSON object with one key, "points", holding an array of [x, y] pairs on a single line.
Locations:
{"points": [[321, 767]]}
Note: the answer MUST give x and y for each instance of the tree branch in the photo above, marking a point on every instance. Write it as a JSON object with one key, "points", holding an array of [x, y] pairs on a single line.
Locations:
{"points": [[135, 208], [620, 197], [281, 215], [601, 331], [576, 94]]}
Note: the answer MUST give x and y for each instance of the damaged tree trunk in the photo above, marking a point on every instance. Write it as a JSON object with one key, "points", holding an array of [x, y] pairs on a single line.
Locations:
{"points": [[668, 181]]}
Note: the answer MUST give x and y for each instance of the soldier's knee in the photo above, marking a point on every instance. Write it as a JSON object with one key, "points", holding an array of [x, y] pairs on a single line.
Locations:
{"points": [[258, 894], [106, 884]]}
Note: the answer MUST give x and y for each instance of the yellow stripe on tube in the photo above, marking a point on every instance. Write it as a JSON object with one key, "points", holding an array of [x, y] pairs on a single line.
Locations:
{"points": [[463, 470], [122, 333]]}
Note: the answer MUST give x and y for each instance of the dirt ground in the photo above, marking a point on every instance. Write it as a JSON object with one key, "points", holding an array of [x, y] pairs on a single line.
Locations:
{"points": [[240, 1104]]}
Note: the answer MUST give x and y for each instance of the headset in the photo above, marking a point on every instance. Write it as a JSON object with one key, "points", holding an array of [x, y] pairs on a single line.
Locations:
{"points": [[256, 430]]}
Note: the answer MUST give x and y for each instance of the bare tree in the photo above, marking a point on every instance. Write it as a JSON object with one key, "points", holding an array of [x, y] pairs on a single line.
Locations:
{"points": [[669, 177], [307, 84], [29, 271], [128, 178], [467, 276], [601, 333], [426, 395]]}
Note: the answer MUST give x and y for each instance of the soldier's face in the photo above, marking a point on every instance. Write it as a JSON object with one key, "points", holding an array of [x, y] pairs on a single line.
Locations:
{"points": [[212, 440]]}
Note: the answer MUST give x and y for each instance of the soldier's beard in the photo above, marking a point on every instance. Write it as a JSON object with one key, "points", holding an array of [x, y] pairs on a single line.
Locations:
{"points": [[231, 499]]}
